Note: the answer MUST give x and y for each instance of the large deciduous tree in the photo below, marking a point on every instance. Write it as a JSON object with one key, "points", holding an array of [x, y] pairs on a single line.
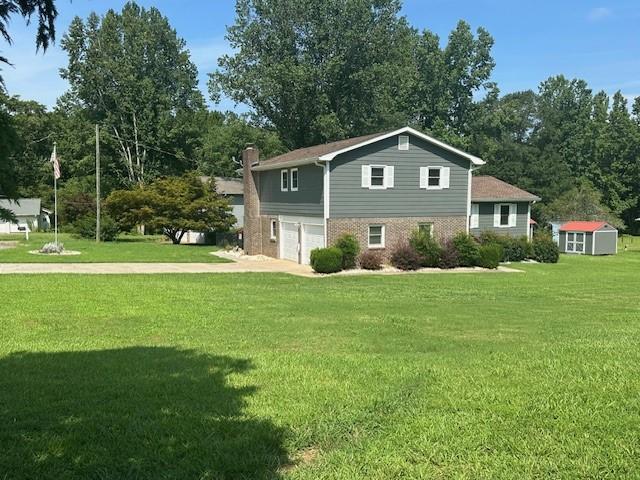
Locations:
{"points": [[173, 205], [132, 73], [320, 70]]}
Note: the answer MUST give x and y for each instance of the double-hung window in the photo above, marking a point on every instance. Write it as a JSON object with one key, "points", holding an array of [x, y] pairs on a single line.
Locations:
{"points": [[294, 179], [284, 180], [434, 178], [504, 215], [575, 242], [377, 177], [376, 236]]}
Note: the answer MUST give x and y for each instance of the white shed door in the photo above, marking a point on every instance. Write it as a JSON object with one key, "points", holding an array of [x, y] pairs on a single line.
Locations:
{"points": [[289, 241], [312, 237]]}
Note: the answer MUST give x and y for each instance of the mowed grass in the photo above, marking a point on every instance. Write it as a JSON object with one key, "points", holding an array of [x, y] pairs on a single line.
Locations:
{"points": [[128, 248], [530, 375]]}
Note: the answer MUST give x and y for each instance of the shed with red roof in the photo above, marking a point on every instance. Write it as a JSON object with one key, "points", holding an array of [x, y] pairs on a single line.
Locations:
{"points": [[588, 238]]}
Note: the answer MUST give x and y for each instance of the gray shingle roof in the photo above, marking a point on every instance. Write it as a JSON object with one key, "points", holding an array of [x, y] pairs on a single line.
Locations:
{"points": [[23, 206], [227, 185], [487, 189]]}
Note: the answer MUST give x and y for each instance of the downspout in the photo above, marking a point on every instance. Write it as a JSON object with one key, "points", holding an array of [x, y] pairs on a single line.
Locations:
{"points": [[325, 200]]}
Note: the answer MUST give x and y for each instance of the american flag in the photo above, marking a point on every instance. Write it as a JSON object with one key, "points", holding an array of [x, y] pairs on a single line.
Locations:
{"points": [[56, 163]]}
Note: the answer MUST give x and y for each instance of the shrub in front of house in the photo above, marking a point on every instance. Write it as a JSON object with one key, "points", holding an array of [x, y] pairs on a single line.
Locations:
{"points": [[326, 260], [515, 249], [85, 227], [490, 255], [427, 247], [404, 257], [350, 248], [449, 256], [545, 249], [467, 248], [370, 260]]}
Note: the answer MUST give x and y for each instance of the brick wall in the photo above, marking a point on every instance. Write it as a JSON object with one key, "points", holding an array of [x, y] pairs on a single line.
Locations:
{"points": [[397, 229], [252, 222], [269, 247]]}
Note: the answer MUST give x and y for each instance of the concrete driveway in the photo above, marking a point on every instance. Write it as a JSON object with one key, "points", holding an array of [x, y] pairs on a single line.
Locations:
{"points": [[238, 266]]}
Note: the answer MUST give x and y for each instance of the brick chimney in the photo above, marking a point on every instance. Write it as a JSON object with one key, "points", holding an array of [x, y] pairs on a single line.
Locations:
{"points": [[252, 222]]}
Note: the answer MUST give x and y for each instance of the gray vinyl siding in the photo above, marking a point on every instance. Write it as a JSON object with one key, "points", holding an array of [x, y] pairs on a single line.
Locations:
{"points": [[406, 198], [308, 200], [588, 243], [606, 242], [485, 222], [237, 208]]}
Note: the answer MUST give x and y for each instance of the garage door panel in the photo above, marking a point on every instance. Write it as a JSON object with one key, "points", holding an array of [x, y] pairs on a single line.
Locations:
{"points": [[289, 241], [313, 237]]}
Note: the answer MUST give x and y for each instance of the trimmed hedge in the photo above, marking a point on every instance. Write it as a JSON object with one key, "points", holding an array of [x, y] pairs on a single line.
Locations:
{"points": [[427, 247], [371, 260], [490, 255], [515, 249], [467, 248], [326, 260], [350, 250], [404, 257]]}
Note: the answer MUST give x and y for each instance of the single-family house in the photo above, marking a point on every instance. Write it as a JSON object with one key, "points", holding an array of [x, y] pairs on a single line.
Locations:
{"points": [[378, 187], [29, 214]]}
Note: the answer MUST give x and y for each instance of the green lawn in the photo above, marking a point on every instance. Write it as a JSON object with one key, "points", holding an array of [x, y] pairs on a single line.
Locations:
{"points": [[531, 375], [128, 248]]}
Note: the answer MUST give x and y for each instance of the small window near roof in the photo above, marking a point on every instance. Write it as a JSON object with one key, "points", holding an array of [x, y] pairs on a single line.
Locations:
{"points": [[433, 177], [284, 180], [294, 179], [376, 236], [274, 229], [403, 142]]}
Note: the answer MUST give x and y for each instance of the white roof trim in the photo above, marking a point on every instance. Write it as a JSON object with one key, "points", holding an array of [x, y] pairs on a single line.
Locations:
{"points": [[427, 138], [280, 165]]}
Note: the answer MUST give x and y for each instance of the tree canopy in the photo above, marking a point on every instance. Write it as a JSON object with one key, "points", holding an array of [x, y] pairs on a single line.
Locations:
{"points": [[132, 74]]}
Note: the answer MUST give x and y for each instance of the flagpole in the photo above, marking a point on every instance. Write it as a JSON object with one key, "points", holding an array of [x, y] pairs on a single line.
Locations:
{"points": [[55, 199]]}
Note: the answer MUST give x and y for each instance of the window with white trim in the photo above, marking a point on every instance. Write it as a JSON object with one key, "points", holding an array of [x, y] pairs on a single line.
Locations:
{"points": [[377, 177], [376, 236], [274, 229], [403, 142], [284, 180], [474, 221], [505, 215], [294, 179], [575, 242], [434, 178]]}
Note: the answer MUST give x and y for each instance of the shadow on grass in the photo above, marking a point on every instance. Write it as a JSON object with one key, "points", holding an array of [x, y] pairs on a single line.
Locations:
{"points": [[131, 413]]}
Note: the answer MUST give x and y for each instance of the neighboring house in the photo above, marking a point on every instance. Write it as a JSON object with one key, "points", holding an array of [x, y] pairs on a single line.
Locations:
{"points": [[377, 187], [588, 238], [231, 188], [29, 214], [500, 207]]}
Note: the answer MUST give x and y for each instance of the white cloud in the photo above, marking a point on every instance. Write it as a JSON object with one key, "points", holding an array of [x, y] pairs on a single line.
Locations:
{"points": [[599, 13]]}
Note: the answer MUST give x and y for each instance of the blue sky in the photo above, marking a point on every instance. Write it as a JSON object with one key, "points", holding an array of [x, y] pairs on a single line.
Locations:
{"points": [[594, 40]]}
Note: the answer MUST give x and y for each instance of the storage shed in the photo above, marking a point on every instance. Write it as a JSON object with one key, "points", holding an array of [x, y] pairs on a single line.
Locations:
{"points": [[588, 238]]}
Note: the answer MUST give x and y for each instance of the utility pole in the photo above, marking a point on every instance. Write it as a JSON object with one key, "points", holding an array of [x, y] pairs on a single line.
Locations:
{"points": [[97, 183]]}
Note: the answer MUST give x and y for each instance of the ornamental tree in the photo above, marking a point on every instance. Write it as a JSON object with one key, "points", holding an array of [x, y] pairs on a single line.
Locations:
{"points": [[173, 205]]}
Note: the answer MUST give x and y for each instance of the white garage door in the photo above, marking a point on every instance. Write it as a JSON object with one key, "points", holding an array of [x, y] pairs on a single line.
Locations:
{"points": [[312, 237], [300, 235], [289, 241]]}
